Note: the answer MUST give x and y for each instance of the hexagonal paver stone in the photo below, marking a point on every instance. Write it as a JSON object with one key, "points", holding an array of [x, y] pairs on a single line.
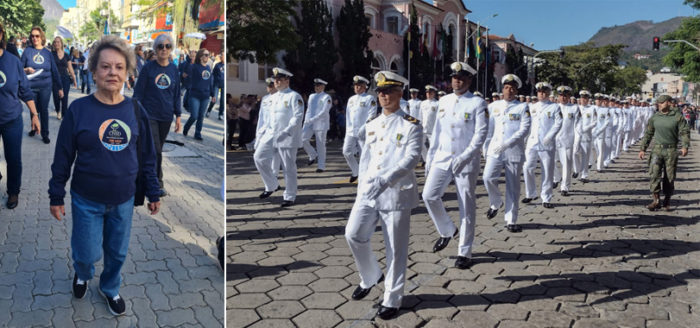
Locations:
{"points": [[328, 285], [240, 318], [465, 287], [257, 286], [297, 278], [475, 319], [335, 271], [247, 301], [550, 319], [594, 323], [443, 323], [323, 301], [280, 309], [273, 323], [434, 310], [317, 319], [289, 293], [354, 310]]}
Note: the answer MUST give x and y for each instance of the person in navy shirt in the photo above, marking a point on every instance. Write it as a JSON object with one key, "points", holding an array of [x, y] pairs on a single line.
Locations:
{"points": [[218, 72], [14, 89], [158, 89], [36, 57], [65, 69], [106, 139], [201, 92]]}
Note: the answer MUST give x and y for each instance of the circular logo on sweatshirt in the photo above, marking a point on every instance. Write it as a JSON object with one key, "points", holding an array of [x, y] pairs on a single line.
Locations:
{"points": [[3, 79], [38, 59], [162, 81], [114, 134], [206, 75]]}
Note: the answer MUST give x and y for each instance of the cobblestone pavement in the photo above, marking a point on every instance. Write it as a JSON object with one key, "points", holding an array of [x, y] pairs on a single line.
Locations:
{"points": [[598, 259], [171, 276]]}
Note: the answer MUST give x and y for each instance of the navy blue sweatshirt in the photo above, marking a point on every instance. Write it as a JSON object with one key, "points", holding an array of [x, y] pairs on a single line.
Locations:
{"points": [[42, 59], [14, 88], [158, 90], [219, 75], [201, 81], [100, 142]]}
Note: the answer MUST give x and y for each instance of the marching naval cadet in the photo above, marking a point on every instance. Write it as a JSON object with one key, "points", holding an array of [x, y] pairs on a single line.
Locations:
{"points": [[441, 94], [386, 192], [565, 139], [428, 111], [284, 127], [414, 103], [262, 127], [478, 94], [546, 122], [317, 122], [600, 131], [609, 131], [360, 108], [460, 131], [509, 125], [495, 96], [616, 128], [585, 126]]}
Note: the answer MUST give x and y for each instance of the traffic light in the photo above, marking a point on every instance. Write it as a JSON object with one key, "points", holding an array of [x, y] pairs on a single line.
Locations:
{"points": [[656, 43]]}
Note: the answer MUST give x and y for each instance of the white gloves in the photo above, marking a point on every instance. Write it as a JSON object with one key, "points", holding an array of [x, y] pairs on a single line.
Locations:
{"points": [[499, 149], [547, 141], [458, 164], [376, 186]]}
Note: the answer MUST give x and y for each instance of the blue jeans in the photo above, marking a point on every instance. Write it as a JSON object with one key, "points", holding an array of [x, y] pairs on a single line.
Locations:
{"points": [[61, 104], [99, 228], [41, 99], [11, 134], [87, 80], [198, 106]]}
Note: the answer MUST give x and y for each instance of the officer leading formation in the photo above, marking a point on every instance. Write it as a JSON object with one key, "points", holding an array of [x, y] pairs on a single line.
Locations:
{"points": [[450, 133]]}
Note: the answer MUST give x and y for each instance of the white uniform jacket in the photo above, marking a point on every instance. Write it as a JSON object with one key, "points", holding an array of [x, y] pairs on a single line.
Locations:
{"points": [[317, 117], [360, 108], [603, 118], [571, 114], [460, 130], [509, 125], [587, 123], [414, 108], [391, 151], [428, 113], [546, 122], [286, 117], [263, 118]]}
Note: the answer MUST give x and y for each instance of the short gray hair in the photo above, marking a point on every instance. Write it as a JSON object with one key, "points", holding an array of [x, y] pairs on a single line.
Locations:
{"points": [[161, 39], [114, 43]]}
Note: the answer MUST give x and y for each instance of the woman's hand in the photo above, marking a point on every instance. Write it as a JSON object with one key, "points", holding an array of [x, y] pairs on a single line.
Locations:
{"points": [[177, 124], [213, 99], [60, 93], [641, 155], [36, 126], [28, 70], [58, 210], [153, 207]]}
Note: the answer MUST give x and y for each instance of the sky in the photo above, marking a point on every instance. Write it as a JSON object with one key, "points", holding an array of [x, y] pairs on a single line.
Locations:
{"points": [[67, 3], [550, 24]]}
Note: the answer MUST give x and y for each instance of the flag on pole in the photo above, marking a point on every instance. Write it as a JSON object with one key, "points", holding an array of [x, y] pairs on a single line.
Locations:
{"points": [[107, 31], [478, 43], [437, 43]]}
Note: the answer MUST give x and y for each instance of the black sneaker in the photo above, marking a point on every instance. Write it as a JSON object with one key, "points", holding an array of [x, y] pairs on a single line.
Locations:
{"points": [[115, 304], [79, 287]]}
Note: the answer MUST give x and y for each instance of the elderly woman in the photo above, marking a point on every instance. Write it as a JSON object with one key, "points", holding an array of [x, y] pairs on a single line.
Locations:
{"points": [[65, 69], [14, 89], [201, 91], [106, 138], [37, 59], [158, 89]]}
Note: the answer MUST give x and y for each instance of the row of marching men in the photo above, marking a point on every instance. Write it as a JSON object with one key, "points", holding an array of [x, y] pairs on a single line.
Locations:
{"points": [[461, 127]]}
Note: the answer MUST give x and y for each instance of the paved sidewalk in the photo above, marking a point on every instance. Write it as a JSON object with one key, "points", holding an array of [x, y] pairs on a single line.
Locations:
{"points": [[598, 259], [171, 276]]}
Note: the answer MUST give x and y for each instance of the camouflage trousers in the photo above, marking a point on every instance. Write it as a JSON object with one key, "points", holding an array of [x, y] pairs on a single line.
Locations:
{"points": [[662, 169]]}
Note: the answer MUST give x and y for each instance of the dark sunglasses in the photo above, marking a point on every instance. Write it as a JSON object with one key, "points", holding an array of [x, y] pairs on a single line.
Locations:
{"points": [[205, 55], [35, 35], [164, 46]]}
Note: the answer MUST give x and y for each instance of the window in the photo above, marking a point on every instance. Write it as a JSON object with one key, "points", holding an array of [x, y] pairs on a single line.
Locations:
{"points": [[264, 71], [233, 70], [426, 33], [376, 66], [370, 20], [394, 67], [392, 24]]}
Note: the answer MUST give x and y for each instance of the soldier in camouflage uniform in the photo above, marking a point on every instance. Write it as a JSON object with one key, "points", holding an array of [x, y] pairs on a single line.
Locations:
{"points": [[666, 126]]}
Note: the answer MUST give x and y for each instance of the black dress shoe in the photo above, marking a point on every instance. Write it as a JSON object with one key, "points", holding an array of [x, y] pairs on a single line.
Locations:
{"points": [[46, 140], [32, 133], [12, 201], [564, 193], [353, 179], [547, 205], [575, 175], [491, 213], [555, 184], [527, 200], [287, 203], [514, 228], [163, 193], [360, 292], [319, 170], [463, 262], [265, 194], [312, 161], [387, 313], [584, 180], [442, 242]]}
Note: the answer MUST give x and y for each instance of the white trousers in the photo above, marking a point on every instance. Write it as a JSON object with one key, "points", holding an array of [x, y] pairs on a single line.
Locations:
{"points": [[351, 146], [563, 174], [396, 228], [608, 149], [264, 158], [627, 141], [546, 157], [601, 150], [617, 139], [582, 158], [424, 148], [320, 145], [492, 172], [435, 185]]}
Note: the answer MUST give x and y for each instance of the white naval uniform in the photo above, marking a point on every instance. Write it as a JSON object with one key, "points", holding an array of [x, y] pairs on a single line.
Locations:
{"points": [[284, 128], [428, 113], [546, 122], [263, 141], [317, 122], [414, 108], [404, 106], [585, 126], [617, 132], [609, 134], [360, 108], [600, 135], [509, 125], [565, 145], [460, 130], [390, 154]]}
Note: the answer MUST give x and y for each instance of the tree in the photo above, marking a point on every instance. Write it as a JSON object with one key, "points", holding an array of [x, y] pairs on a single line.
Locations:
{"points": [[315, 54], [682, 56], [259, 29], [629, 80], [93, 28], [693, 3], [182, 22], [19, 16], [353, 45]]}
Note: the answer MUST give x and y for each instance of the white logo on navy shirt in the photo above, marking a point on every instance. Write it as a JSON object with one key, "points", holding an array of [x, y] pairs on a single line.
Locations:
{"points": [[3, 79], [38, 59], [162, 81], [206, 75]]}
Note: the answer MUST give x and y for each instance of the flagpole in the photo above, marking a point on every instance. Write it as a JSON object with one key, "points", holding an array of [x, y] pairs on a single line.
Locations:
{"points": [[478, 58], [466, 41], [486, 71]]}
